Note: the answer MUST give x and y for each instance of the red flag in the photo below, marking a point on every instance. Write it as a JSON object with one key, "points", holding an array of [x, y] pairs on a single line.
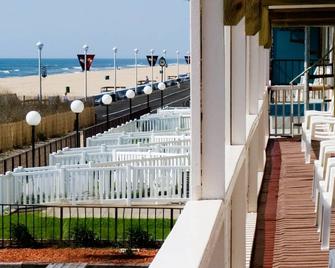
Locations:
{"points": [[89, 61]]}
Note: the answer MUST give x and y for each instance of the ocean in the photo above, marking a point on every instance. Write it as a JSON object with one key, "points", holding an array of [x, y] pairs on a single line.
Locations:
{"points": [[26, 67]]}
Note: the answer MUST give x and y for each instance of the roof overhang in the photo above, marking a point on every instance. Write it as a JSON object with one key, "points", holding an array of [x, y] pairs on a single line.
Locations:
{"points": [[262, 15]]}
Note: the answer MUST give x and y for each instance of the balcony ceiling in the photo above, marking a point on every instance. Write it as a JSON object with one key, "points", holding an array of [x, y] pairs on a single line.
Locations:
{"points": [[261, 15]]}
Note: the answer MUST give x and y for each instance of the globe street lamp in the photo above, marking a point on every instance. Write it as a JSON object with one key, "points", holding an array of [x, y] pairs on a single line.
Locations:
{"points": [[39, 46], [77, 107], [161, 87], [177, 52], [115, 51], [33, 119], [152, 67], [147, 91], [136, 53], [164, 53], [107, 100], [85, 48], [130, 95]]}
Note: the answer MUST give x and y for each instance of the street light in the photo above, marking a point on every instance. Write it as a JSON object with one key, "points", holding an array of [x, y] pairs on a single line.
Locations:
{"points": [[77, 107], [39, 46], [130, 95], [85, 48], [136, 53], [107, 100], [164, 53], [147, 91], [152, 67], [115, 51], [177, 52], [33, 119], [161, 87]]}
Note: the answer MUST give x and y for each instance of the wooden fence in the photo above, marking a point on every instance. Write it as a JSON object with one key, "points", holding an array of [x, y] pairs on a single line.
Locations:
{"points": [[42, 151], [17, 134]]}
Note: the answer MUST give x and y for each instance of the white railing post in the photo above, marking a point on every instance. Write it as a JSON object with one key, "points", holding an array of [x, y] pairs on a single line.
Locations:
{"points": [[130, 177]]}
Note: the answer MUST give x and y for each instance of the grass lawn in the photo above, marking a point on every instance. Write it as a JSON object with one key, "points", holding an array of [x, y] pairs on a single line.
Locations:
{"points": [[46, 227]]}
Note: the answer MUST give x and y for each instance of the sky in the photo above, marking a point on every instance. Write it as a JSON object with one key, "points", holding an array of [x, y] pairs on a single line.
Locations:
{"points": [[65, 25]]}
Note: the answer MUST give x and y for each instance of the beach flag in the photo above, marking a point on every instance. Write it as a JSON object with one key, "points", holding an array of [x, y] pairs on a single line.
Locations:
{"points": [[89, 61], [154, 59], [188, 59]]}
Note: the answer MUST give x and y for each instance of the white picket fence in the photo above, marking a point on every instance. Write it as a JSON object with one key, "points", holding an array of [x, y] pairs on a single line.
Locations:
{"points": [[163, 121], [102, 157], [145, 160], [131, 139], [83, 184], [163, 147]]}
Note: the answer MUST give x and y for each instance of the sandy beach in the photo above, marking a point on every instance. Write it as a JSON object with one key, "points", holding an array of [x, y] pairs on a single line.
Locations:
{"points": [[55, 84]]}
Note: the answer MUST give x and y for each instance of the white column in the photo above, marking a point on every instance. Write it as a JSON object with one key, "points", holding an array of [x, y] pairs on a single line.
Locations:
{"points": [[261, 72], [252, 72], [195, 98], [227, 72], [208, 99], [238, 86]]}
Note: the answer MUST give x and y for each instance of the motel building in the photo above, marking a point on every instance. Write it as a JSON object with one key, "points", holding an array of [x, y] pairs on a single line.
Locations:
{"points": [[252, 203]]}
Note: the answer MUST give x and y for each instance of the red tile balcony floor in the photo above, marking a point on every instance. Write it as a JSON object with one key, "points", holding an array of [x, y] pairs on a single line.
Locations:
{"points": [[286, 235]]}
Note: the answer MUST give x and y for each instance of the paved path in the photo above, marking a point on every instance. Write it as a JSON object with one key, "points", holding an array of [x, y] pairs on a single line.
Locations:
{"points": [[173, 96]]}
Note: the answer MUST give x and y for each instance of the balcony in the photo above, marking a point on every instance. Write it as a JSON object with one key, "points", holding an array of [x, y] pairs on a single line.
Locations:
{"points": [[251, 203]]}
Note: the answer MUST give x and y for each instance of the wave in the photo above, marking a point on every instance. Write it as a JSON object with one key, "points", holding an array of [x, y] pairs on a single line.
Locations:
{"points": [[138, 65], [5, 71], [16, 70], [65, 69]]}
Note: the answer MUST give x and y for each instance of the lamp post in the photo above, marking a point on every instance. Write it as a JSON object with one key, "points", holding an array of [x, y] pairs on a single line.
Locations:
{"points": [[152, 67], [39, 46], [136, 53], [33, 119], [147, 91], [161, 87], [115, 51], [177, 52], [107, 100], [85, 47], [77, 107], [164, 54], [130, 95]]}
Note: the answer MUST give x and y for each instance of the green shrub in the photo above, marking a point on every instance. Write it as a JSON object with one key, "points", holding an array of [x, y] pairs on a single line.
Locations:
{"points": [[139, 238], [22, 236], [83, 236]]}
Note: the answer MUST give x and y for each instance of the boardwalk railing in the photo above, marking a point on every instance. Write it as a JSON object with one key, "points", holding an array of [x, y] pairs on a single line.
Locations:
{"points": [[41, 156], [55, 225]]}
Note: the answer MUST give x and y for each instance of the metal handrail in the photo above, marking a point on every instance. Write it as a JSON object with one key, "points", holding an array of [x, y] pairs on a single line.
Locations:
{"points": [[310, 67]]}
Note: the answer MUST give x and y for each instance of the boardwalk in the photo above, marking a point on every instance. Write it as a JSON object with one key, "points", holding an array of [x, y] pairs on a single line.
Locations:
{"points": [[286, 235]]}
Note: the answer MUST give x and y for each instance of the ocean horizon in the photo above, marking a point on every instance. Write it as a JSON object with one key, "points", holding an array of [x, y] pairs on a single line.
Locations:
{"points": [[16, 67]]}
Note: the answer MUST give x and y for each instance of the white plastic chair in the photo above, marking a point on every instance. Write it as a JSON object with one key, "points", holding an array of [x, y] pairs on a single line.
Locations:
{"points": [[326, 148], [324, 214], [317, 134]]}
